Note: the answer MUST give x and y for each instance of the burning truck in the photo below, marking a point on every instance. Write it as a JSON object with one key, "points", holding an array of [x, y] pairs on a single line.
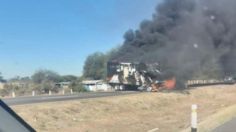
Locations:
{"points": [[138, 76]]}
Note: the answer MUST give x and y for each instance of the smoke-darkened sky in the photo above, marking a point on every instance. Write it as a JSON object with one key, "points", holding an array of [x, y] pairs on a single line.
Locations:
{"points": [[192, 38], [59, 34]]}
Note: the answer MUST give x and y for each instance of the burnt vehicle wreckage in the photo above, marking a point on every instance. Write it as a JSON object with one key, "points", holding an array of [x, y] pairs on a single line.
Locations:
{"points": [[194, 39], [151, 78], [138, 76]]}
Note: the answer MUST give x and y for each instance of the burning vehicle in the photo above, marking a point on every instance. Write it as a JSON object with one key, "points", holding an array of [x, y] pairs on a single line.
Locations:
{"points": [[138, 76], [195, 39]]}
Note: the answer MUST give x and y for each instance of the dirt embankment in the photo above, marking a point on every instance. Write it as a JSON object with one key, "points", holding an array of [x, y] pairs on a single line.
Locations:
{"points": [[165, 112]]}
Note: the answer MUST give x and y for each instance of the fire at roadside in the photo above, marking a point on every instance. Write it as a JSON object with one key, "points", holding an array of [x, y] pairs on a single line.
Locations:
{"points": [[190, 39], [150, 77]]}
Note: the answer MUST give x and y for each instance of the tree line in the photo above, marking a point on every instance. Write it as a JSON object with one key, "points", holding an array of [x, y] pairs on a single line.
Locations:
{"points": [[42, 81], [95, 66]]}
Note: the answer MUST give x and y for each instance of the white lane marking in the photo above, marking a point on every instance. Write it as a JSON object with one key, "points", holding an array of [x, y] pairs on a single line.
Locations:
{"points": [[154, 130]]}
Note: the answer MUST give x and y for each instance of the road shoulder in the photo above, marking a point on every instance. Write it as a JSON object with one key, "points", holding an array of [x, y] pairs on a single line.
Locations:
{"points": [[216, 120]]}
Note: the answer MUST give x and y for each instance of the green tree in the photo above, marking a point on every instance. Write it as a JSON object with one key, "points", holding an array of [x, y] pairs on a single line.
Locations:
{"points": [[45, 76], [44, 80], [94, 67], [77, 87]]}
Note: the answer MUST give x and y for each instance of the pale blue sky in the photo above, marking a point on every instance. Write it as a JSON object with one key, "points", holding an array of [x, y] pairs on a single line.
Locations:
{"points": [[60, 34]]}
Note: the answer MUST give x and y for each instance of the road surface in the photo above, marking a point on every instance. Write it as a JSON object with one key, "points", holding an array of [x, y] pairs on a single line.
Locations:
{"points": [[54, 98], [227, 127]]}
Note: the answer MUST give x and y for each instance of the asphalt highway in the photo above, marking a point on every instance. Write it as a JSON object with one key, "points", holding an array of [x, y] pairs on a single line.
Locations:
{"points": [[227, 127], [54, 98]]}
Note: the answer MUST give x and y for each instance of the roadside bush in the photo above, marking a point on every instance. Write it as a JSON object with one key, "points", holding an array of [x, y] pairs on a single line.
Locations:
{"points": [[78, 87]]}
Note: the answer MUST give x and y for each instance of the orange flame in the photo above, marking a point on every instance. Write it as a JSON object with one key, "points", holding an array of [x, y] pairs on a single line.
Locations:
{"points": [[170, 83]]}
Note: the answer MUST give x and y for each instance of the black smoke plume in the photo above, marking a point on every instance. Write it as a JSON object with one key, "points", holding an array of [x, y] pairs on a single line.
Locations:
{"points": [[191, 38]]}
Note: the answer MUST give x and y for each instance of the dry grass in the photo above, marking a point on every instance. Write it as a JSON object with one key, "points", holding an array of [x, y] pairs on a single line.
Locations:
{"points": [[169, 112], [217, 119]]}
